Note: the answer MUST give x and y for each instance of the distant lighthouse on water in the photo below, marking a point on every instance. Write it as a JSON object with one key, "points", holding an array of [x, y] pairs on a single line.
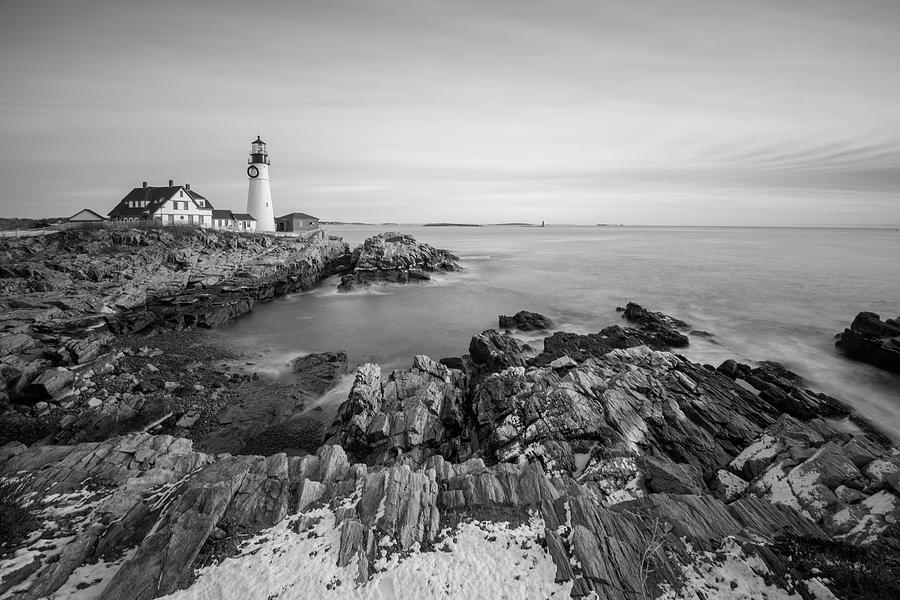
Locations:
{"points": [[259, 196]]}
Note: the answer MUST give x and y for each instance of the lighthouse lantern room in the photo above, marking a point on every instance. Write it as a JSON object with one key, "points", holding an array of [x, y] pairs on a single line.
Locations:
{"points": [[259, 196]]}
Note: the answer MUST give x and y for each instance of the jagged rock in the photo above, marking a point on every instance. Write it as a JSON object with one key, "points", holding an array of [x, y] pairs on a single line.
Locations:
{"points": [[47, 386], [883, 471], [415, 408], [663, 327], [317, 373], [493, 351], [863, 522], [525, 321], [563, 362], [594, 345], [298, 266], [728, 486], [165, 556], [84, 350], [575, 347], [16, 342], [871, 340], [663, 475], [395, 258], [782, 389], [590, 444]]}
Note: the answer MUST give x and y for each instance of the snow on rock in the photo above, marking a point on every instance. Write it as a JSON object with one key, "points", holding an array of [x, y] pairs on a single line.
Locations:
{"points": [[298, 559], [730, 573], [863, 522], [758, 454], [728, 485]]}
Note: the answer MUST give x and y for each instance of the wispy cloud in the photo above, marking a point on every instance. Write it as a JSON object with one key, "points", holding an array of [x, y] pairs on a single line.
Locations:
{"points": [[411, 109]]}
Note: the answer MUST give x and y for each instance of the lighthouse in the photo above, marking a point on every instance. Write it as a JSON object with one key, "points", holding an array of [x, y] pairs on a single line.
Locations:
{"points": [[259, 196]]}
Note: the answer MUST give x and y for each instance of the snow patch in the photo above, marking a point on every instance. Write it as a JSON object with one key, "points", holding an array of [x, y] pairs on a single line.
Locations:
{"points": [[477, 560], [731, 574], [765, 448]]}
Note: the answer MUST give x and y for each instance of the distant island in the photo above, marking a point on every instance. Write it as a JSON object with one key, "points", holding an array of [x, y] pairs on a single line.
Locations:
{"points": [[451, 225]]}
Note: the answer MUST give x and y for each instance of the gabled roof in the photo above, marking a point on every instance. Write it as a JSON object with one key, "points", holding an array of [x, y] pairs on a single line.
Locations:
{"points": [[222, 214], [87, 210], [297, 215], [195, 196], [155, 197], [243, 217]]}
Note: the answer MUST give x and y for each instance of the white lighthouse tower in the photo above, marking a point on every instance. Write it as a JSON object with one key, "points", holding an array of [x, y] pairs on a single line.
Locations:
{"points": [[259, 196]]}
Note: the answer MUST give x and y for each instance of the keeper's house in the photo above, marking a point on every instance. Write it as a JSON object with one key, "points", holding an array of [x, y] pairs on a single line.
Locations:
{"points": [[296, 221], [169, 205]]}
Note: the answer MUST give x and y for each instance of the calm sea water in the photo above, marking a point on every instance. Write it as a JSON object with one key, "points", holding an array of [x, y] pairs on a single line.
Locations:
{"points": [[764, 294]]}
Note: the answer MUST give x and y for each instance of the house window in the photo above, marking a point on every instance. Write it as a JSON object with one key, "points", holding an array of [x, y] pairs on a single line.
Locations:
{"points": [[181, 193]]}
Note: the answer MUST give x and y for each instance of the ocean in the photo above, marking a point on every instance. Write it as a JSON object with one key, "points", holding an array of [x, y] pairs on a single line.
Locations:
{"points": [[763, 293]]}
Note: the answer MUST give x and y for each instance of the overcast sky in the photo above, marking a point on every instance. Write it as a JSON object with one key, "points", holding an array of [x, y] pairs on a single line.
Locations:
{"points": [[716, 112]]}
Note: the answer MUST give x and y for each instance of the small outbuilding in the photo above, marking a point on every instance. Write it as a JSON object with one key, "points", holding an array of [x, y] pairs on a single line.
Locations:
{"points": [[231, 221], [296, 221], [245, 221], [85, 216]]}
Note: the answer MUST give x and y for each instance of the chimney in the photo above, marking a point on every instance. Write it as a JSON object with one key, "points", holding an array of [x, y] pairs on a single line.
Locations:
{"points": [[145, 185], [187, 187], [171, 182]]}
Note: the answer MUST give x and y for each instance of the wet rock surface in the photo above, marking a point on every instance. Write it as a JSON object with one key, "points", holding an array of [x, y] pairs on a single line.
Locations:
{"points": [[71, 368], [641, 471], [395, 258], [654, 330], [525, 321], [319, 372], [871, 340]]}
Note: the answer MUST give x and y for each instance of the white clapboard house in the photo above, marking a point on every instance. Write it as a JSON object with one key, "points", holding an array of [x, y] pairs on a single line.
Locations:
{"points": [[168, 205]]}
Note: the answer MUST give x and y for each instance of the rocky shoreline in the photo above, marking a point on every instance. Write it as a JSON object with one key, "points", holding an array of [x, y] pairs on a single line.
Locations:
{"points": [[74, 302], [598, 464]]}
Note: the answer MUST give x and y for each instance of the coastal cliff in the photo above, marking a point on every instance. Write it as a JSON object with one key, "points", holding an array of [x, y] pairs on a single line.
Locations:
{"points": [[70, 299]]}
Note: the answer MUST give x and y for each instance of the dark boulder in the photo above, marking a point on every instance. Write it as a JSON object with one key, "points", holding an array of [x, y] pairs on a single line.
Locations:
{"points": [[871, 340], [663, 327], [525, 321], [781, 389], [576, 346], [580, 347]]}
